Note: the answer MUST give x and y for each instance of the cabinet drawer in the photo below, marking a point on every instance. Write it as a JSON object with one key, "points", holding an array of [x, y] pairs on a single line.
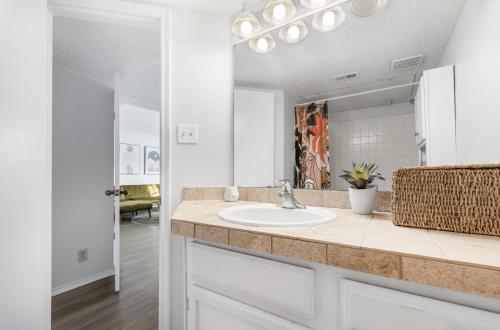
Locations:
{"points": [[269, 285], [368, 307]]}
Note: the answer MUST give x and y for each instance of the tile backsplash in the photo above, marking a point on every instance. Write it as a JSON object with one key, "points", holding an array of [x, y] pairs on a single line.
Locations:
{"points": [[321, 198], [382, 135]]}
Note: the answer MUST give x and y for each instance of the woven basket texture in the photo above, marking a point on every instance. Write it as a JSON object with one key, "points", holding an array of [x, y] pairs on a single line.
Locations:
{"points": [[463, 199]]}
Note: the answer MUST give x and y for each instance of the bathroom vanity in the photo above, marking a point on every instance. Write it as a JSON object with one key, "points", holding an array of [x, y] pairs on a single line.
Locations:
{"points": [[355, 272]]}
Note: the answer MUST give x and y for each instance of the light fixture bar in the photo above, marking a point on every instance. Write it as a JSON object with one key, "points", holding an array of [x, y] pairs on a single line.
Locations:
{"points": [[298, 17], [362, 93]]}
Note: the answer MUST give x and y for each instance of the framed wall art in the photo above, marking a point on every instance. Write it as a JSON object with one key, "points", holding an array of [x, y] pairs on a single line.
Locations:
{"points": [[151, 160], [130, 159]]}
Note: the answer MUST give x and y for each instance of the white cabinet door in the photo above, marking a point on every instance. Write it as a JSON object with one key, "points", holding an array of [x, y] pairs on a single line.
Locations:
{"points": [[211, 311], [419, 113], [368, 307], [439, 115], [252, 280]]}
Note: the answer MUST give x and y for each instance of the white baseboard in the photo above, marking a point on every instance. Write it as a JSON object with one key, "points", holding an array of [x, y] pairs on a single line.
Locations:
{"points": [[81, 282]]}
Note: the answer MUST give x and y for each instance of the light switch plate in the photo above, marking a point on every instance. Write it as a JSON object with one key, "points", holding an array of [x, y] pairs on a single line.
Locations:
{"points": [[187, 133]]}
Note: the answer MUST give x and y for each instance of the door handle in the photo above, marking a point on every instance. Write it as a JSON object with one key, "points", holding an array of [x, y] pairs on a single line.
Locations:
{"points": [[112, 192]]}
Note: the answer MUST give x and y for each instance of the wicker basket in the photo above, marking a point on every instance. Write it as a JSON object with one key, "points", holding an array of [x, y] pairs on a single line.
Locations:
{"points": [[463, 199]]}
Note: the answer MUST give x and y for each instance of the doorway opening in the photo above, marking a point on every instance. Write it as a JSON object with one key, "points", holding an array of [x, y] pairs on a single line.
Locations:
{"points": [[106, 174]]}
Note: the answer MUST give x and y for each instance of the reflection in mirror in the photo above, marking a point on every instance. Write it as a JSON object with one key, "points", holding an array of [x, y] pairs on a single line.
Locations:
{"points": [[338, 84]]}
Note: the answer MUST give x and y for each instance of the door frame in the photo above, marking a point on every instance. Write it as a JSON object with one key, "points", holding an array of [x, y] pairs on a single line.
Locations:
{"points": [[144, 15], [116, 182]]}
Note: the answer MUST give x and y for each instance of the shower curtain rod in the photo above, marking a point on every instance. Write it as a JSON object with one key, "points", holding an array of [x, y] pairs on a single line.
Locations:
{"points": [[361, 93]]}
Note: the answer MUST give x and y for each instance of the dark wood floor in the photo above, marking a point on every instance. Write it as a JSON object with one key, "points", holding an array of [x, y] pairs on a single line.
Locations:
{"points": [[96, 306]]}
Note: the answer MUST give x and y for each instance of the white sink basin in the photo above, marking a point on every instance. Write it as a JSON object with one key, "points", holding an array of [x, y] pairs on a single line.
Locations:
{"points": [[273, 216]]}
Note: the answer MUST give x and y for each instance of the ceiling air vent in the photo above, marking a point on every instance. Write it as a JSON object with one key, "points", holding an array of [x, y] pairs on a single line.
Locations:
{"points": [[346, 76], [407, 62]]}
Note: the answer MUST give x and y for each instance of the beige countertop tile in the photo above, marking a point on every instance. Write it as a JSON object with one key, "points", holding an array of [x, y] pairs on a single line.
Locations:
{"points": [[334, 198], [347, 229], [309, 197], [473, 280], [376, 233], [299, 249], [192, 194], [250, 241], [262, 195], [212, 234], [468, 249], [183, 228], [383, 235], [214, 193], [379, 263]]}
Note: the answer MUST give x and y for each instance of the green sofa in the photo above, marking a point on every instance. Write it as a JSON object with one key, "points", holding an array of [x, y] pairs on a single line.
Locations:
{"points": [[134, 198]]}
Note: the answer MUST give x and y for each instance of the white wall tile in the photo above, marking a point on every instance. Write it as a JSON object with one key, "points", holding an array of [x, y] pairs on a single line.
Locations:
{"points": [[380, 134]]}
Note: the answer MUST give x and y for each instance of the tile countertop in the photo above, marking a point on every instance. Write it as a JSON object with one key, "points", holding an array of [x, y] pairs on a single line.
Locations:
{"points": [[372, 244]]}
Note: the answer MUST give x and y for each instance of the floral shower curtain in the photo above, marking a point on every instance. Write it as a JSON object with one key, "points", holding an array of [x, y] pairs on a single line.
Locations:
{"points": [[312, 155]]}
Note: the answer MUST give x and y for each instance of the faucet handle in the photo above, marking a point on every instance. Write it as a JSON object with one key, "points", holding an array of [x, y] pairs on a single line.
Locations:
{"points": [[286, 186]]}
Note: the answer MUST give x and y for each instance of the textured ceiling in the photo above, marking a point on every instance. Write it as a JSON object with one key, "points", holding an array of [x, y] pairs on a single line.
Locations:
{"points": [[367, 45], [101, 49], [218, 7]]}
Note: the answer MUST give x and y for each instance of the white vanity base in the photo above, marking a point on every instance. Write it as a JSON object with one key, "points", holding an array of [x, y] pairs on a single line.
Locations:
{"points": [[229, 289]]}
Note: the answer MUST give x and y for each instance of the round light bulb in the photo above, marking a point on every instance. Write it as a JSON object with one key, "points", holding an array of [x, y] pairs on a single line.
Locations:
{"points": [[262, 44], [293, 32], [328, 18], [246, 28], [279, 11]]}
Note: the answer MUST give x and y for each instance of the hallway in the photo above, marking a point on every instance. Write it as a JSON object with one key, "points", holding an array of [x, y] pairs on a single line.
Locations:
{"points": [[96, 306]]}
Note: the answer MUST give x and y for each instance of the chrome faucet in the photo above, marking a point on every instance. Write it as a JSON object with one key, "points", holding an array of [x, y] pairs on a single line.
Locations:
{"points": [[287, 200]]}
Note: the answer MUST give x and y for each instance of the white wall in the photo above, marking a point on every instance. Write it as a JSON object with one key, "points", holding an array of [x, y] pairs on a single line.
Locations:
{"points": [[475, 50], [25, 149], [143, 85], [140, 126], [381, 135], [200, 93], [82, 171]]}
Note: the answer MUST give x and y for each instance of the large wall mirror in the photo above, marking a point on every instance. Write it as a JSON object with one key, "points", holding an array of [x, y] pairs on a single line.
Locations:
{"points": [[339, 86]]}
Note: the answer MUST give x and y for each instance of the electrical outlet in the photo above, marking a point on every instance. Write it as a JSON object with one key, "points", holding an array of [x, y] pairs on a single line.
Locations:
{"points": [[83, 255]]}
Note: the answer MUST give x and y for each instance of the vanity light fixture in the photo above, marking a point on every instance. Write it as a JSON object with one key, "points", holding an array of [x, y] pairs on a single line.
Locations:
{"points": [[262, 44], [313, 4], [294, 32], [246, 25], [278, 11], [365, 8], [329, 19]]}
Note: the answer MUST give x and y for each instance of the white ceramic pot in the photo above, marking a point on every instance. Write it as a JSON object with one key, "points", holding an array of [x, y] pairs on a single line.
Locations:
{"points": [[363, 200], [231, 194]]}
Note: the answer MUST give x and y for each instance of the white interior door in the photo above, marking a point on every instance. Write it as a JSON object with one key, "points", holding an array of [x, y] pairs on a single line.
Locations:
{"points": [[82, 151], [253, 138], [116, 242]]}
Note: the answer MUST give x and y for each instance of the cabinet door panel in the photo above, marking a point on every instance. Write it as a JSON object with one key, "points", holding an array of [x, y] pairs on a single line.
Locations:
{"points": [[253, 280], [368, 307], [210, 311]]}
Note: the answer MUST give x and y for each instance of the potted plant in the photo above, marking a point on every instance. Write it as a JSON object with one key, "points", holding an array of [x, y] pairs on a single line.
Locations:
{"points": [[362, 194]]}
